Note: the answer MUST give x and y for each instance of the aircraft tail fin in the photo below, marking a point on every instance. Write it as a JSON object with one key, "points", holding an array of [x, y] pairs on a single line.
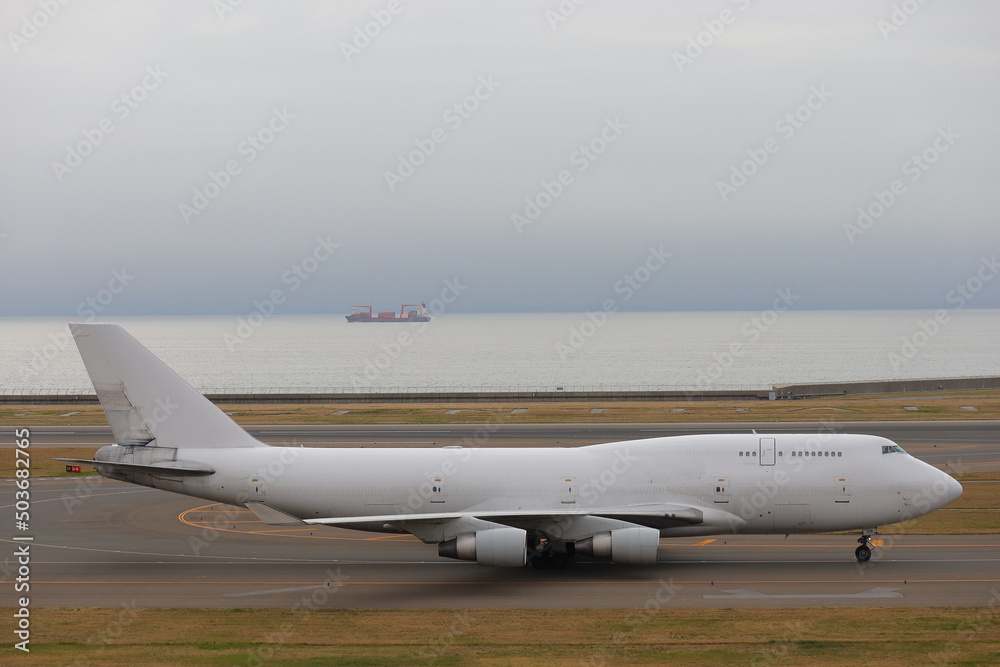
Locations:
{"points": [[145, 401]]}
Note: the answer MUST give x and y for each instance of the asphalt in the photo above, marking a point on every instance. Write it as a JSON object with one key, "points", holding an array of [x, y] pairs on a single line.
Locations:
{"points": [[103, 543]]}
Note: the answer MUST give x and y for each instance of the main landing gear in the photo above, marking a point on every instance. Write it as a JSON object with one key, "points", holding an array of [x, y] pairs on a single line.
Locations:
{"points": [[864, 552], [546, 560], [545, 557]]}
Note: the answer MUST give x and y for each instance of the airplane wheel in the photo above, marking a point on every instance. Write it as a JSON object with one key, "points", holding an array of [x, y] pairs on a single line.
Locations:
{"points": [[863, 553], [560, 561]]}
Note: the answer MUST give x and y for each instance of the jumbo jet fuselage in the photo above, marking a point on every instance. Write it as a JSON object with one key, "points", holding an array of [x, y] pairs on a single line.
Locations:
{"points": [[749, 483], [503, 506]]}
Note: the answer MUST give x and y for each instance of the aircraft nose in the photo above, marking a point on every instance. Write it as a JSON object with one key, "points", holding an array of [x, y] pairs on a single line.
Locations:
{"points": [[954, 489]]}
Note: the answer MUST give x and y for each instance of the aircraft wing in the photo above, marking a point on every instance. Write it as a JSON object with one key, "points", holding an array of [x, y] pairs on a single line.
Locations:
{"points": [[653, 516]]}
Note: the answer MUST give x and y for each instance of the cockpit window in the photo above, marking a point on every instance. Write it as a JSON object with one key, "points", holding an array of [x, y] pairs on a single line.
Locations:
{"points": [[892, 449]]}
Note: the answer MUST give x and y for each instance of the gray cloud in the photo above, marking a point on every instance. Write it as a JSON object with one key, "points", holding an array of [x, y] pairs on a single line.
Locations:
{"points": [[324, 172]]}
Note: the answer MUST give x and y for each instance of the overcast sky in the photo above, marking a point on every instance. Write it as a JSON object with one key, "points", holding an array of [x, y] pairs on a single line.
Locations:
{"points": [[170, 157]]}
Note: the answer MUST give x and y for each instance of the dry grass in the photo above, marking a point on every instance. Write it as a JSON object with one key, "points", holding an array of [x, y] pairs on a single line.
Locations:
{"points": [[41, 463], [979, 494], [814, 636], [948, 522]]}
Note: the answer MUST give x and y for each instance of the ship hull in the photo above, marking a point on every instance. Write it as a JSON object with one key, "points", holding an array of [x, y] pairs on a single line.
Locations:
{"points": [[355, 318]]}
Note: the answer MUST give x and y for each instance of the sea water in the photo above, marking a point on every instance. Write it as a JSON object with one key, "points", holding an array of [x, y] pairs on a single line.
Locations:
{"points": [[616, 351]]}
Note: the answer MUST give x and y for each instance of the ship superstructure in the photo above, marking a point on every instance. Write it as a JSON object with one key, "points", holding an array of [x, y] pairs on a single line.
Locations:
{"points": [[418, 313]]}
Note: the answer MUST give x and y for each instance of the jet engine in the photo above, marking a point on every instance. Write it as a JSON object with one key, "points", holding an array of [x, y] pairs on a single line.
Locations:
{"points": [[495, 547], [625, 546]]}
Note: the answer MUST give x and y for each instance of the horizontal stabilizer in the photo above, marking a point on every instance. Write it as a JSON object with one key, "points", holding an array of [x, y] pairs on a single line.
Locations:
{"points": [[273, 517], [171, 468]]}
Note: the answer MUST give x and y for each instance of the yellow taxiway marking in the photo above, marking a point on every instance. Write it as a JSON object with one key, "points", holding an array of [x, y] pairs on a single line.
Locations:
{"points": [[704, 542]]}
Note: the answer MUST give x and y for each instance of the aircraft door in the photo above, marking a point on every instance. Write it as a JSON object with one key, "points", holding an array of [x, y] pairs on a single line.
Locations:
{"points": [[256, 489], [722, 494], [843, 490], [438, 494], [569, 489], [766, 457]]}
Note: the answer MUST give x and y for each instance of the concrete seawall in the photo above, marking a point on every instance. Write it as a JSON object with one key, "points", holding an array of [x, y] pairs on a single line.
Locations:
{"points": [[885, 387], [428, 397], [778, 392]]}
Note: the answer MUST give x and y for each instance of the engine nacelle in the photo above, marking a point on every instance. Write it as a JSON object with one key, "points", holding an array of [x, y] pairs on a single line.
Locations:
{"points": [[495, 547], [625, 546]]}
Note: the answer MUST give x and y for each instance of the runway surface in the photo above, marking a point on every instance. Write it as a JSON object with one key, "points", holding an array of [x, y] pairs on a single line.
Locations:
{"points": [[104, 543]]}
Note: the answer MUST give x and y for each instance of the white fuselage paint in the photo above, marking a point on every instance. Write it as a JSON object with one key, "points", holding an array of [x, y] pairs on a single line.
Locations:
{"points": [[817, 482]]}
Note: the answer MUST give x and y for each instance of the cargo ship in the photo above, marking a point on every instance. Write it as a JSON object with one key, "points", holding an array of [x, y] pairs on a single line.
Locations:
{"points": [[364, 314]]}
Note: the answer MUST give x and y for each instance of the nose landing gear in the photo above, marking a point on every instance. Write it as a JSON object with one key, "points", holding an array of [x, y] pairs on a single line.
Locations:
{"points": [[864, 552]]}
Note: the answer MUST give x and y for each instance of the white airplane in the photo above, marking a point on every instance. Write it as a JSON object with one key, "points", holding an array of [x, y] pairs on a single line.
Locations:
{"points": [[504, 507]]}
